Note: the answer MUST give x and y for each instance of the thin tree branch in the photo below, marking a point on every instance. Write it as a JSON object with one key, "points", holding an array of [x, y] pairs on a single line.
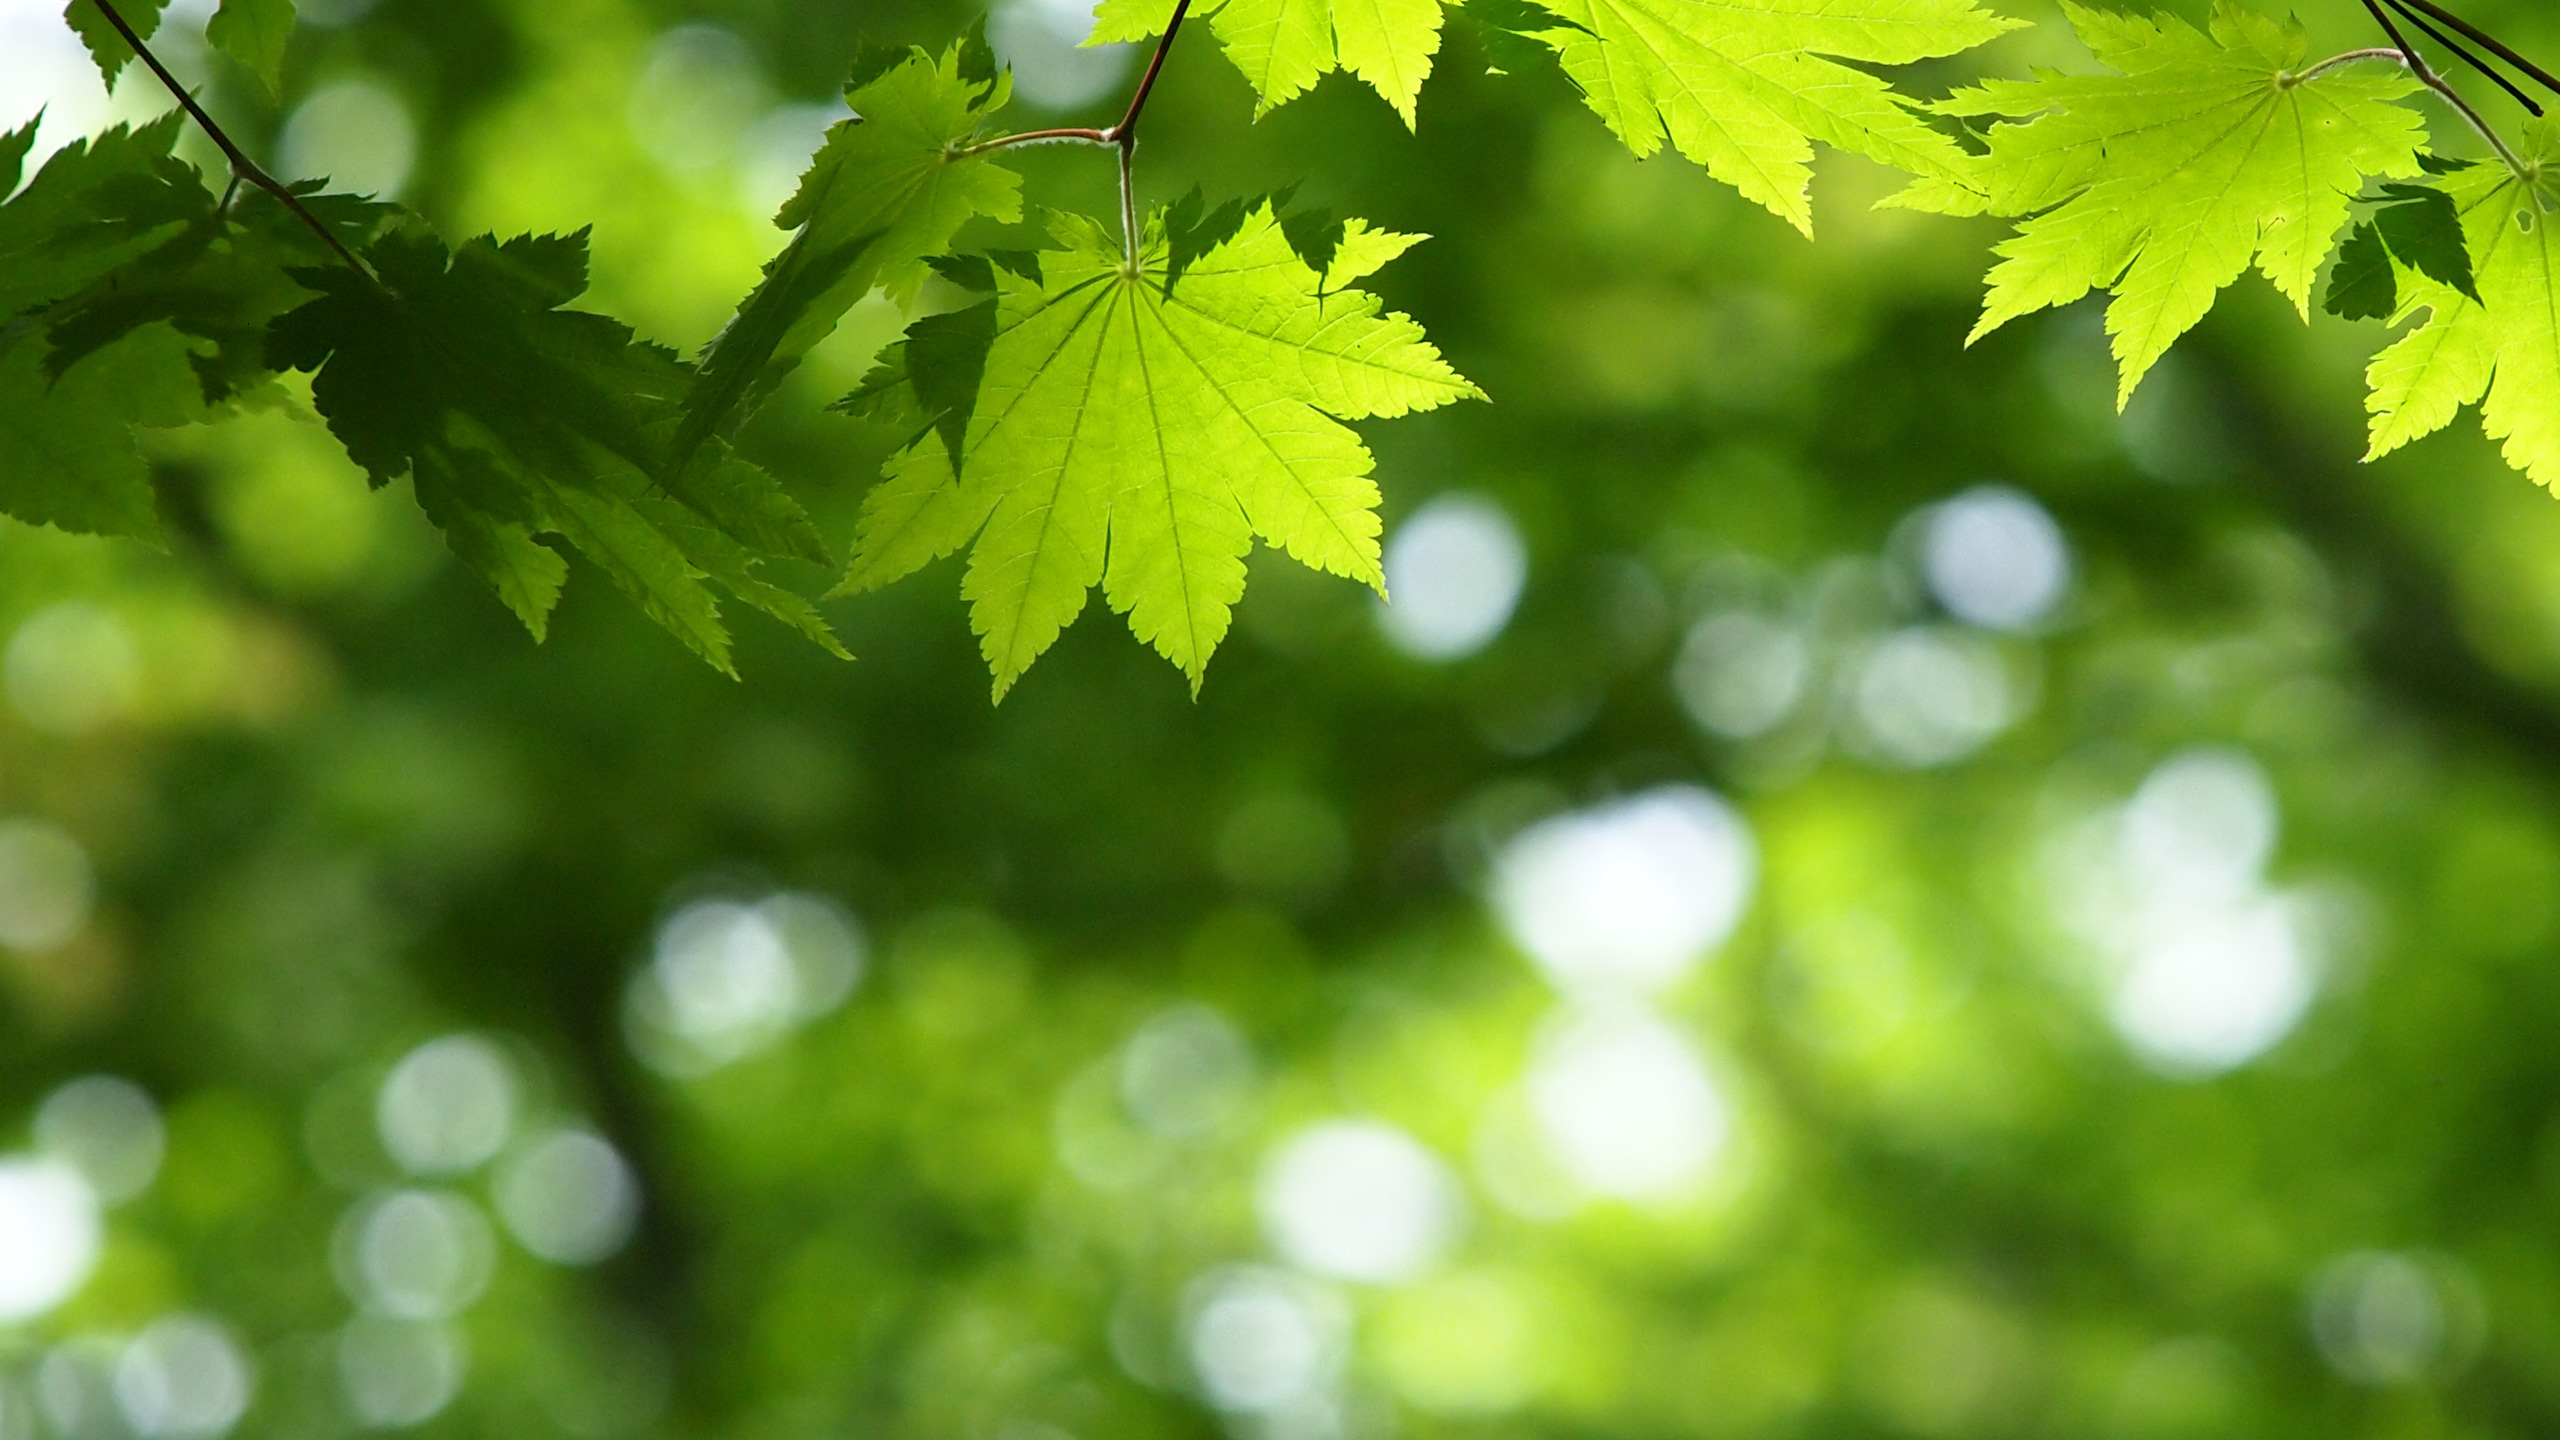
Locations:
{"points": [[2488, 42], [2427, 76], [1123, 135], [1125, 132], [242, 167], [2466, 57]]}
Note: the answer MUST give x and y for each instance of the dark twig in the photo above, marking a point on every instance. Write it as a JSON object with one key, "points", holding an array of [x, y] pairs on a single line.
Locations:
{"points": [[242, 167], [1126, 131], [2465, 56], [1124, 135], [2427, 76], [2489, 42]]}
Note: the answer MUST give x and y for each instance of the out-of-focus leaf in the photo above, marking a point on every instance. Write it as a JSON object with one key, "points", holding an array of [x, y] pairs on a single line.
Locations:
{"points": [[883, 194], [96, 204], [67, 452], [254, 32], [516, 418]]}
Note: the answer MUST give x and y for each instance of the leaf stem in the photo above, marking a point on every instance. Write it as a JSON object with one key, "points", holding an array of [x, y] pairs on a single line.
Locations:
{"points": [[1123, 136], [1033, 137], [2378, 52], [2427, 76], [242, 167]]}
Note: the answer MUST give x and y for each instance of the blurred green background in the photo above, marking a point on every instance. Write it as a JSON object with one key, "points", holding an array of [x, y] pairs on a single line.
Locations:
{"points": [[1856, 893]]}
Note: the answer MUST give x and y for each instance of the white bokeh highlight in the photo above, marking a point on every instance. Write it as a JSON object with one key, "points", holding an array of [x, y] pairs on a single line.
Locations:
{"points": [[1263, 1340], [73, 669], [1359, 1200], [1627, 896], [1186, 1074], [776, 150], [1454, 571], [2207, 965], [183, 1378], [1927, 696], [354, 132], [44, 68], [2383, 1317], [1043, 40], [448, 1106], [697, 93], [108, 1129], [1625, 1104], [1993, 557], [51, 1229], [1741, 674], [398, 1373], [2202, 827], [727, 979], [414, 1254], [568, 1197]]}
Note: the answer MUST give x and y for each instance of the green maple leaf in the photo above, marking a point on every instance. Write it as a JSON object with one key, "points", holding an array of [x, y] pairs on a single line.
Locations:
{"points": [[1139, 434], [2161, 183], [106, 46], [222, 279], [1285, 46], [1742, 87], [2421, 229], [127, 301], [2361, 286], [97, 204], [254, 32], [883, 194], [68, 456], [2501, 350], [516, 418]]}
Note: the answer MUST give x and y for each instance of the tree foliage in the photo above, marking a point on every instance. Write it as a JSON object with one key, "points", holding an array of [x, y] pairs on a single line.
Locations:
{"points": [[1136, 411]]}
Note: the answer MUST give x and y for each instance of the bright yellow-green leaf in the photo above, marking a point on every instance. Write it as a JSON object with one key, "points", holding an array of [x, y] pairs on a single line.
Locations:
{"points": [[2163, 181], [1140, 437], [1744, 87], [1285, 46], [2503, 350]]}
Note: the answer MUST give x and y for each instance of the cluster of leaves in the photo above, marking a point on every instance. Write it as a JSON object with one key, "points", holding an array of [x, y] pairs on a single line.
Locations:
{"points": [[1135, 411]]}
